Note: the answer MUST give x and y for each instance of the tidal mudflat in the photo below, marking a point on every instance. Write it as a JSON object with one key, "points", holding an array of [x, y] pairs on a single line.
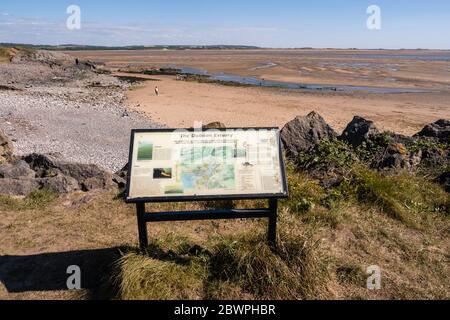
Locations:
{"points": [[400, 90]]}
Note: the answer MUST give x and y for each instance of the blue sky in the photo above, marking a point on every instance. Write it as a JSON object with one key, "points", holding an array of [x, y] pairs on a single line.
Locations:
{"points": [[282, 23]]}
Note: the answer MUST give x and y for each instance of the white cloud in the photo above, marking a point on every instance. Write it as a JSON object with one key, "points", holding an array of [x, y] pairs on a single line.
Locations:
{"points": [[55, 32], [4, 14]]}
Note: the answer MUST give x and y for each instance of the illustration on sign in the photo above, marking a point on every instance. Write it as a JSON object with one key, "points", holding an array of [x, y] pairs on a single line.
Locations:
{"points": [[185, 163]]}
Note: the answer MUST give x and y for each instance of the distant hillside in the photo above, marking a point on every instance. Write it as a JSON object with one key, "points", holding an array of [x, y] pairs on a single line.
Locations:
{"points": [[72, 47]]}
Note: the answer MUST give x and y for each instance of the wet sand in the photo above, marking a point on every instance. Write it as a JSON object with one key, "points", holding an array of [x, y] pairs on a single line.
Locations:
{"points": [[182, 103]]}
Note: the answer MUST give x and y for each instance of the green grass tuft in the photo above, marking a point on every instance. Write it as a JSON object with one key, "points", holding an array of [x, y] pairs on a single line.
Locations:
{"points": [[35, 200], [140, 277], [304, 193], [402, 197]]}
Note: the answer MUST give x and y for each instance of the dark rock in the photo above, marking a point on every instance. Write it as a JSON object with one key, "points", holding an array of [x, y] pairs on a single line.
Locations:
{"points": [[9, 88], [444, 180], [433, 157], [88, 176], [18, 187], [399, 138], [396, 156], [331, 181], [120, 182], [214, 125], [358, 131], [122, 173], [6, 148], [16, 170], [120, 177], [439, 130], [303, 133], [59, 184]]}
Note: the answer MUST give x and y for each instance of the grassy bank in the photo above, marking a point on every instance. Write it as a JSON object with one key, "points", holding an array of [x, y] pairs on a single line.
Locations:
{"points": [[327, 238], [326, 241]]}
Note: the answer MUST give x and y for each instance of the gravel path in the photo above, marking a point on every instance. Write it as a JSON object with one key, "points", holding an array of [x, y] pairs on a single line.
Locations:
{"points": [[82, 119]]}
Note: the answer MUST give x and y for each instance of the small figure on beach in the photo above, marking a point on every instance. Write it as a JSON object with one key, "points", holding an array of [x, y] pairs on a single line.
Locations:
{"points": [[157, 91]]}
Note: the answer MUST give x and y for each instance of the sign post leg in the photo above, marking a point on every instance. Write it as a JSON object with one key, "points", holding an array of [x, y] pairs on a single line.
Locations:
{"points": [[272, 234], [142, 226]]}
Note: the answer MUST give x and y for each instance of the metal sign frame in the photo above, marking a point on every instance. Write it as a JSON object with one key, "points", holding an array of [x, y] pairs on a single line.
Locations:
{"points": [[144, 217]]}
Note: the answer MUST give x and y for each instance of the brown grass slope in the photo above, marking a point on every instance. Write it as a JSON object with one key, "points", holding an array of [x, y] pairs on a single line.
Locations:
{"points": [[326, 241]]}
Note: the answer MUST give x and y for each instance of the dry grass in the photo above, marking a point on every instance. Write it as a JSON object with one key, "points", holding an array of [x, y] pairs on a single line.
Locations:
{"points": [[4, 55], [141, 277], [326, 241], [7, 53], [175, 268]]}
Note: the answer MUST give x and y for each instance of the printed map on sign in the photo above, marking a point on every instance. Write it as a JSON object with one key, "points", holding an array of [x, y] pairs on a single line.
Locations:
{"points": [[231, 162], [207, 168]]}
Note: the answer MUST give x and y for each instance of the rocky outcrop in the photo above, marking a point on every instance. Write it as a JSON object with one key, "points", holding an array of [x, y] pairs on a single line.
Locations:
{"points": [[18, 187], [70, 176], [439, 130], [17, 169], [21, 176], [358, 131], [303, 133], [330, 161], [50, 58]]}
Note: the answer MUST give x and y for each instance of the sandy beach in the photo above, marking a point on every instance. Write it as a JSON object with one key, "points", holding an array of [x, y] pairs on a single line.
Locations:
{"points": [[182, 103]]}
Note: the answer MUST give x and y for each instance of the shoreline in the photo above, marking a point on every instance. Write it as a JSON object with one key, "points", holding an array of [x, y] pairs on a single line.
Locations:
{"points": [[181, 103]]}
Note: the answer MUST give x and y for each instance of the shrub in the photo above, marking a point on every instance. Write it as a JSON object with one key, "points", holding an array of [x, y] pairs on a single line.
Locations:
{"points": [[304, 193], [328, 155], [422, 144], [372, 146]]}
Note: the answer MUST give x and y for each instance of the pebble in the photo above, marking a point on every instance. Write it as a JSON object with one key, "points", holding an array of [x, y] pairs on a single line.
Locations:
{"points": [[85, 124]]}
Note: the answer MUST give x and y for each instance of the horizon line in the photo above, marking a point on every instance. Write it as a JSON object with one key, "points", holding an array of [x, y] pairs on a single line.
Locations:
{"points": [[215, 45]]}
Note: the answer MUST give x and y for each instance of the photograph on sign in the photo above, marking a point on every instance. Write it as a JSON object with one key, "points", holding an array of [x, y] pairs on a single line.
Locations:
{"points": [[182, 163]]}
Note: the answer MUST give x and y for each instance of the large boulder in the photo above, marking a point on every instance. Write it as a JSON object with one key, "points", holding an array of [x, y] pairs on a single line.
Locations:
{"points": [[303, 133], [18, 187], [59, 184], [6, 148], [439, 130], [16, 169], [88, 176], [358, 131]]}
